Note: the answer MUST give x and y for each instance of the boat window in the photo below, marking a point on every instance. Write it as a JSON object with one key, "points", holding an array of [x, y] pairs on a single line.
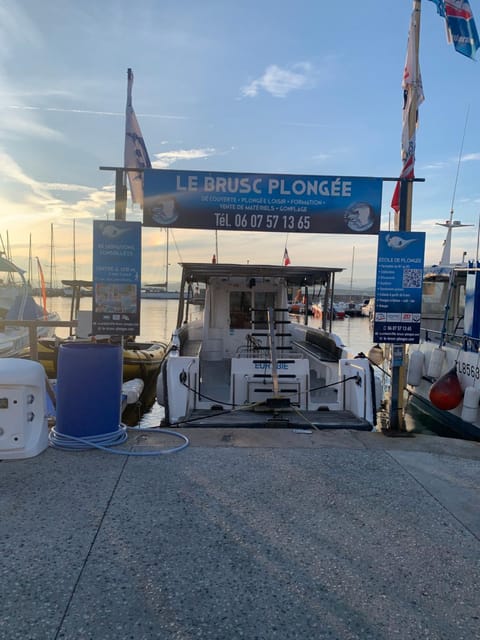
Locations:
{"points": [[461, 300], [262, 301], [434, 296], [240, 309]]}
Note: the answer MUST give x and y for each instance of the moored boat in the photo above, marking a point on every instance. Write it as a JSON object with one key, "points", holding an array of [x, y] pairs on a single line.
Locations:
{"points": [[443, 375], [17, 304], [244, 363], [141, 360]]}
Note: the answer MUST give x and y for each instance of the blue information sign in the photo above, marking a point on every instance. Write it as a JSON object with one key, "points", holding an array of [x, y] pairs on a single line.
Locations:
{"points": [[261, 202], [398, 292], [116, 277]]}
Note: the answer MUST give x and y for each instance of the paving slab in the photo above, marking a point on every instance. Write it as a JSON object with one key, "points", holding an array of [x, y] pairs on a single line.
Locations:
{"points": [[243, 535]]}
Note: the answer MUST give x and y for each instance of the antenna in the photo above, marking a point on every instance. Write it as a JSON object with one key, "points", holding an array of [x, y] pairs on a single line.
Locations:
{"points": [[459, 161], [450, 223]]}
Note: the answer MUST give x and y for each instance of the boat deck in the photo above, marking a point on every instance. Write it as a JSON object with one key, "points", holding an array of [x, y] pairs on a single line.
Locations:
{"points": [[291, 418]]}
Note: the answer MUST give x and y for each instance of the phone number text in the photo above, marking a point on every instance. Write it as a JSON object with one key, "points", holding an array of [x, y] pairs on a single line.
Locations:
{"points": [[261, 221]]}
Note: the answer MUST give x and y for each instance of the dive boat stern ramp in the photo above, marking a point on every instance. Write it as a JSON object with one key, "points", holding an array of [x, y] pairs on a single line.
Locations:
{"points": [[243, 362]]}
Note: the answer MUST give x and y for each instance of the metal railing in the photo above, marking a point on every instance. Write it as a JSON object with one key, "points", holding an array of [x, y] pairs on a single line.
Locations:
{"points": [[33, 325]]}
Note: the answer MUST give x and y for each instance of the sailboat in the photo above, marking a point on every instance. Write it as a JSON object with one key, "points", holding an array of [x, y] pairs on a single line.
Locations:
{"points": [[15, 340]]}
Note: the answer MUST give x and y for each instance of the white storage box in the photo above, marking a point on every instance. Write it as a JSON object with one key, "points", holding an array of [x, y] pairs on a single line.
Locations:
{"points": [[23, 414]]}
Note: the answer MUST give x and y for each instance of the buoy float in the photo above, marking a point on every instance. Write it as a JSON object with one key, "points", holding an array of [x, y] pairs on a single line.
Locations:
{"points": [[376, 354], [446, 393], [415, 368], [471, 398], [436, 362]]}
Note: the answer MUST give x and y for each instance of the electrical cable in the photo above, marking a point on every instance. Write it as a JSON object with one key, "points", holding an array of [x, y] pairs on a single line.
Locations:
{"points": [[105, 441]]}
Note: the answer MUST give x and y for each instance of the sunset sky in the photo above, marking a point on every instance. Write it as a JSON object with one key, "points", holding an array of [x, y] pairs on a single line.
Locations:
{"points": [[308, 88]]}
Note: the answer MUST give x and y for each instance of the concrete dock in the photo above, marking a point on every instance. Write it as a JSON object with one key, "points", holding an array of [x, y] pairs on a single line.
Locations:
{"points": [[247, 533]]}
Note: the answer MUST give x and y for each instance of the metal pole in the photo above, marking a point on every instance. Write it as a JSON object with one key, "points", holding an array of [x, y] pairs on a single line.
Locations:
{"points": [[396, 417]]}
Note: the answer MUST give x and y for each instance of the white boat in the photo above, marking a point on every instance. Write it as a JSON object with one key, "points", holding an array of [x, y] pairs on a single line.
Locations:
{"points": [[443, 374], [158, 292], [242, 362], [15, 340]]}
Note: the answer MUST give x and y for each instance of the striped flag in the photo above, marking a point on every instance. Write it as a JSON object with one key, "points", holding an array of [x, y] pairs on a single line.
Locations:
{"points": [[412, 99], [461, 29], [136, 155], [286, 258]]}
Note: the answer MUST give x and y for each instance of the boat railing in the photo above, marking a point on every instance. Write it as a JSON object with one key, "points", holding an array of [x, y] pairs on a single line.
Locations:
{"points": [[33, 325], [436, 335]]}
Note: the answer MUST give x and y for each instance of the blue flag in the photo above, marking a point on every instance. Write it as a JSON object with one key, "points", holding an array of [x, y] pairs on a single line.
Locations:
{"points": [[440, 7], [461, 27]]}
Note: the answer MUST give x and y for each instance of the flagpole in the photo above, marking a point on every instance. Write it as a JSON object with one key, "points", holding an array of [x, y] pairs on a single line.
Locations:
{"points": [[405, 221], [398, 380]]}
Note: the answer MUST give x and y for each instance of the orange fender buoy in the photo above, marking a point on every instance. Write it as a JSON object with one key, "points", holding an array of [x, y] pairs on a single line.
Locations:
{"points": [[446, 392]]}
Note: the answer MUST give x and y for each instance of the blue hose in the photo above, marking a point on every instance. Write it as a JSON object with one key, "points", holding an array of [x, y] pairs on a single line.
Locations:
{"points": [[105, 441]]}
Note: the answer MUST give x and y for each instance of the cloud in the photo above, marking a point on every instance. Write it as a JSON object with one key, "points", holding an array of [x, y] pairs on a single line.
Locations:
{"points": [[40, 196], [280, 82], [167, 158], [468, 157]]}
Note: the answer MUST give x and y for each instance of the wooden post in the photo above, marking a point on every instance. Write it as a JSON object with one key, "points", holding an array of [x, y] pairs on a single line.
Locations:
{"points": [[120, 195]]}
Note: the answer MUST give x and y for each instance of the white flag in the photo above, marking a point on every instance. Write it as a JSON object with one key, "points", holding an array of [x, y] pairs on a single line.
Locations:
{"points": [[136, 155], [412, 86]]}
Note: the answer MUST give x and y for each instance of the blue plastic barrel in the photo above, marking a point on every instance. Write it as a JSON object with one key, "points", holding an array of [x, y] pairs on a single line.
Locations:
{"points": [[89, 388]]}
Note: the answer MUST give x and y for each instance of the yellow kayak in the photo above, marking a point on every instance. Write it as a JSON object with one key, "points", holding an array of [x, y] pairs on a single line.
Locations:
{"points": [[140, 359]]}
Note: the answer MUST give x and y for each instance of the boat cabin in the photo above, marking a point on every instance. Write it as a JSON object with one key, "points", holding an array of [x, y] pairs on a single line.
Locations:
{"points": [[244, 350], [443, 303]]}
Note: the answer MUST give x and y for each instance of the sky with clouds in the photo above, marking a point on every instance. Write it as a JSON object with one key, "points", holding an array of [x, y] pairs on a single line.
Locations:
{"points": [[308, 88]]}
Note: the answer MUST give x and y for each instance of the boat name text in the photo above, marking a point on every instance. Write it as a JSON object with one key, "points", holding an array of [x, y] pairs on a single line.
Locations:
{"points": [[219, 184]]}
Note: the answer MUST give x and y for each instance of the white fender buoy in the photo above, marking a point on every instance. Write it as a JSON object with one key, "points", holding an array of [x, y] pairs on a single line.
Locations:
{"points": [[471, 398], [436, 361], [416, 360], [378, 393], [132, 389]]}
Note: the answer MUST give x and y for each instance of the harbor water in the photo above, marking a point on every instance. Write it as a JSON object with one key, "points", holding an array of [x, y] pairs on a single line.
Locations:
{"points": [[158, 319]]}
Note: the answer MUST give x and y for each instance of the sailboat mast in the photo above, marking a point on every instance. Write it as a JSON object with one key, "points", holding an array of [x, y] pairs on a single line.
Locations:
{"points": [[30, 269], [166, 266], [74, 253], [351, 273], [51, 256]]}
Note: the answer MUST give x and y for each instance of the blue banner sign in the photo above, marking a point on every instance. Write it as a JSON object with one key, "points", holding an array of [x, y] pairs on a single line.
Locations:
{"points": [[398, 292], [117, 262], [261, 202]]}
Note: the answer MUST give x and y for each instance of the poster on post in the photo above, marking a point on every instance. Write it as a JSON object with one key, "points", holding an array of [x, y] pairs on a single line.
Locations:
{"points": [[117, 263], [398, 291], [261, 202]]}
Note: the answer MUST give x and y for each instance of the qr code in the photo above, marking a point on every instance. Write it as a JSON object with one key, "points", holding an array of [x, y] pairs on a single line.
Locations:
{"points": [[412, 278]]}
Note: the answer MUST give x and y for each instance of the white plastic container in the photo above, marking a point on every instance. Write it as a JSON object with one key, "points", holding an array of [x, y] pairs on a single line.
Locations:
{"points": [[436, 363], [415, 368], [471, 399], [23, 414]]}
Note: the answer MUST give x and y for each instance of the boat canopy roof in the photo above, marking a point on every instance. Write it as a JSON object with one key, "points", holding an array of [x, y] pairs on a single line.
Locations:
{"points": [[6, 265], [294, 275]]}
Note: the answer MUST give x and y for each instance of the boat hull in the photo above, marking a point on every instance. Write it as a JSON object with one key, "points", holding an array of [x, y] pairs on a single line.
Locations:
{"points": [[437, 362]]}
